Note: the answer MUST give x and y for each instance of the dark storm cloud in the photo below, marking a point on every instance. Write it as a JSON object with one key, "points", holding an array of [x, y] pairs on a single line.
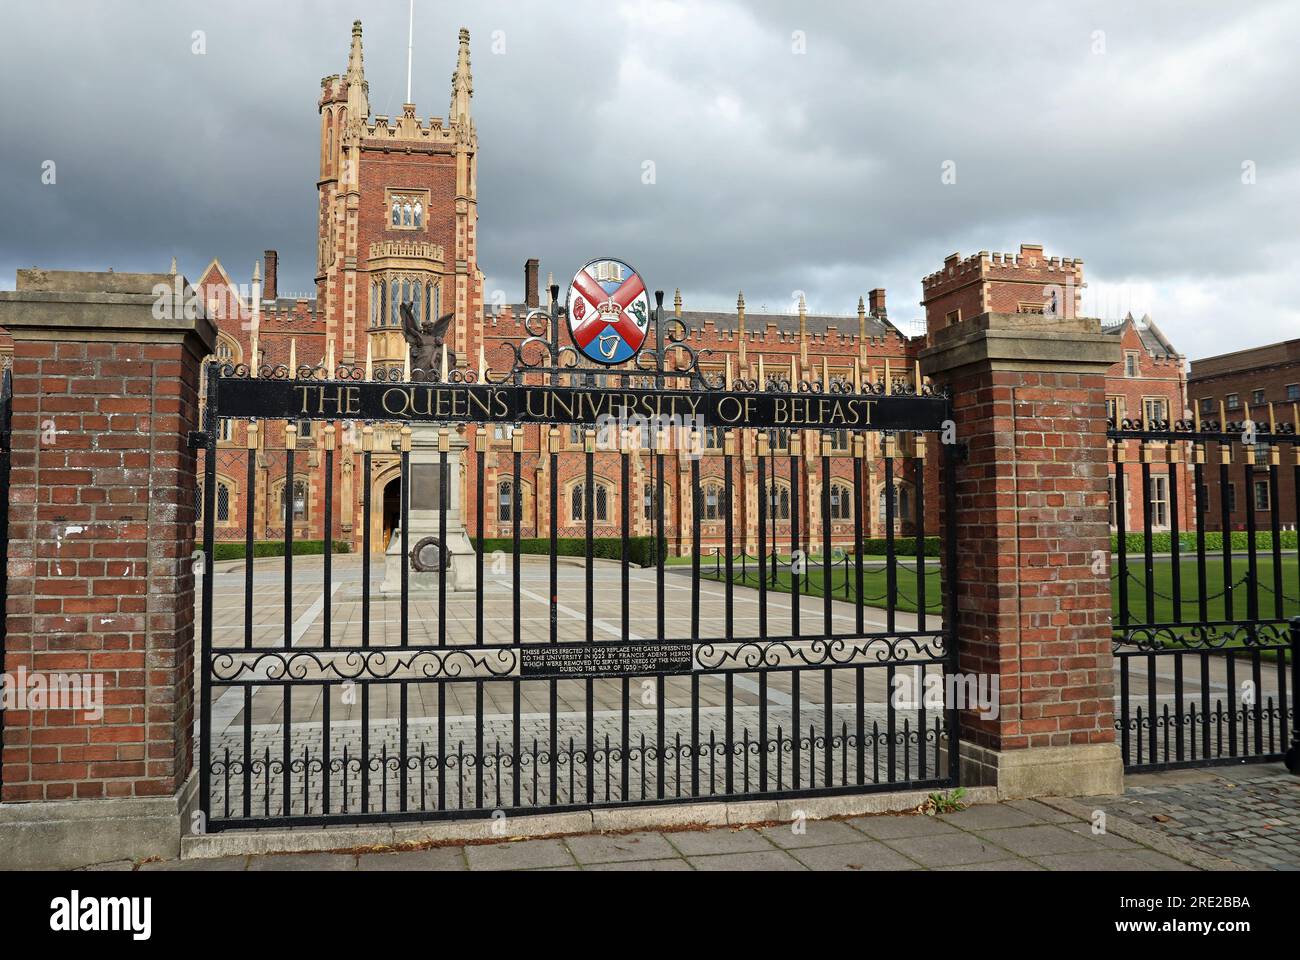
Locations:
{"points": [[1114, 133]]}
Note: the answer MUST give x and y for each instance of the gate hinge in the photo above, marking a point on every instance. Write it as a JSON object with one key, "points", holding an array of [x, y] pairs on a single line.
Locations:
{"points": [[196, 439]]}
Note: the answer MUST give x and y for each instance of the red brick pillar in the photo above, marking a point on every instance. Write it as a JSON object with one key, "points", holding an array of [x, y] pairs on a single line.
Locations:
{"points": [[101, 581], [1031, 523]]}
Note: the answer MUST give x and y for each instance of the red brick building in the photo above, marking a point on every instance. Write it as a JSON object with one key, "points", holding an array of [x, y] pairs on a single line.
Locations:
{"points": [[398, 223], [1261, 385]]}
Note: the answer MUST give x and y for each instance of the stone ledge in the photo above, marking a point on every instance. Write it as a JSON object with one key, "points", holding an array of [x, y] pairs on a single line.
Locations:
{"points": [[84, 306], [1000, 341], [606, 820]]}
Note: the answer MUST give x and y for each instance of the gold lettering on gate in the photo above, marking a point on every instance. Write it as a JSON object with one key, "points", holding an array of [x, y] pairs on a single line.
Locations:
{"points": [[402, 395]]}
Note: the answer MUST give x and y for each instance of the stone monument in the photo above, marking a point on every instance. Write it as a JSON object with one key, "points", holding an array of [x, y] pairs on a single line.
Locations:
{"points": [[426, 550]]}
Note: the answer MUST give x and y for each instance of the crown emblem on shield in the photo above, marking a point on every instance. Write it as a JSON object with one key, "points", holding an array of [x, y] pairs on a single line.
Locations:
{"points": [[608, 312]]}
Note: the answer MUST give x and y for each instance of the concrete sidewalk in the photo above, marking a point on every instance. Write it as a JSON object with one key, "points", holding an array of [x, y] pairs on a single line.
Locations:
{"points": [[1015, 835]]}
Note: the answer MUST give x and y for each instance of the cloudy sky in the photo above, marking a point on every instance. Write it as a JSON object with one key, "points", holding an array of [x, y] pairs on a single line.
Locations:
{"points": [[794, 146]]}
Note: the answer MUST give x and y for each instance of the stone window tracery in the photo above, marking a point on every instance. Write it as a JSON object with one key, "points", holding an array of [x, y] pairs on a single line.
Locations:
{"points": [[406, 209]]}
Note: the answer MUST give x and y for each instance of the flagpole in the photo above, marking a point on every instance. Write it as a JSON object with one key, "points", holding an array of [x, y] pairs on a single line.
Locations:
{"points": [[410, 45]]}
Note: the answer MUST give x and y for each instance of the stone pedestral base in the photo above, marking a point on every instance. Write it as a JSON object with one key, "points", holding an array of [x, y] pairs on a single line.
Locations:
{"points": [[427, 444], [1085, 770], [63, 834], [460, 556]]}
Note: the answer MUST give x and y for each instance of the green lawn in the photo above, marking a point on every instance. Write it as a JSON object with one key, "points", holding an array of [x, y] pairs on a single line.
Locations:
{"points": [[1216, 608], [874, 586], [874, 582]]}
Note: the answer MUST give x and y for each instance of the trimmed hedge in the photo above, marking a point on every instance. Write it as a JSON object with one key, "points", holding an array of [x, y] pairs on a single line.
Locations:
{"points": [[1163, 542], [640, 550], [903, 545], [275, 548]]}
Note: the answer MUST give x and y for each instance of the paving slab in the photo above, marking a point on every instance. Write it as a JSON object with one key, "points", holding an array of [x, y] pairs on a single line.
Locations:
{"points": [[915, 825], [701, 842], [1038, 840], [1158, 860], [757, 861], [990, 815], [811, 833], [521, 855], [1104, 839], [948, 849], [1017, 865], [865, 855], [1092, 860], [608, 848], [654, 866], [1040, 811]]}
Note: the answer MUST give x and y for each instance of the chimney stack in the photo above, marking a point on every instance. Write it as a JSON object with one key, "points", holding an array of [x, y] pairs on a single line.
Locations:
{"points": [[530, 282], [269, 290], [876, 298]]}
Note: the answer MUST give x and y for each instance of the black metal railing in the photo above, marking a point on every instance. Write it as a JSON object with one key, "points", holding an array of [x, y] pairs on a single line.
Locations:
{"points": [[574, 687], [1205, 657]]}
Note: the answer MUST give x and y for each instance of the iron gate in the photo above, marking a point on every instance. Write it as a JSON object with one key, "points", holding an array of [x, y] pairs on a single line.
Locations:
{"points": [[1206, 661], [614, 676]]}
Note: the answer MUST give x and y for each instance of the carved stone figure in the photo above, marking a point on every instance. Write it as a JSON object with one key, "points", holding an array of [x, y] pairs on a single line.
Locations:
{"points": [[426, 340]]}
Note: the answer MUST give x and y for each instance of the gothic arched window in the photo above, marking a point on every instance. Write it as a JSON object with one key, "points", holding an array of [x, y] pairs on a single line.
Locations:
{"points": [[841, 502], [902, 503], [406, 214], [419, 214], [224, 499], [578, 502], [394, 317], [712, 499], [650, 508], [505, 502], [779, 500], [298, 503], [397, 213]]}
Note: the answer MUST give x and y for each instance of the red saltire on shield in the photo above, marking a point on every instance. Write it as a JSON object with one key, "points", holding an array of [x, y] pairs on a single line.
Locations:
{"points": [[585, 331]]}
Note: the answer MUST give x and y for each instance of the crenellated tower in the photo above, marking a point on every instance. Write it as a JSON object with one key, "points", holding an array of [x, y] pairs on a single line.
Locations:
{"points": [[398, 216]]}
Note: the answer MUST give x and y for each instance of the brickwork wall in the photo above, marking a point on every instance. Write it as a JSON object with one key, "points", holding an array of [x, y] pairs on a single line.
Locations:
{"points": [[100, 573], [1032, 503]]}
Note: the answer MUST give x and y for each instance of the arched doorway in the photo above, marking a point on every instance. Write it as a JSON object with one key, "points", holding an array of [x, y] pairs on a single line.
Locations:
{"points": [[392, 511]]}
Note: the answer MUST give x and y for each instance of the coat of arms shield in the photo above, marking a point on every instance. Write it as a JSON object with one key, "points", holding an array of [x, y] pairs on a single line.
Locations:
{"points": [[608, 312]]}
